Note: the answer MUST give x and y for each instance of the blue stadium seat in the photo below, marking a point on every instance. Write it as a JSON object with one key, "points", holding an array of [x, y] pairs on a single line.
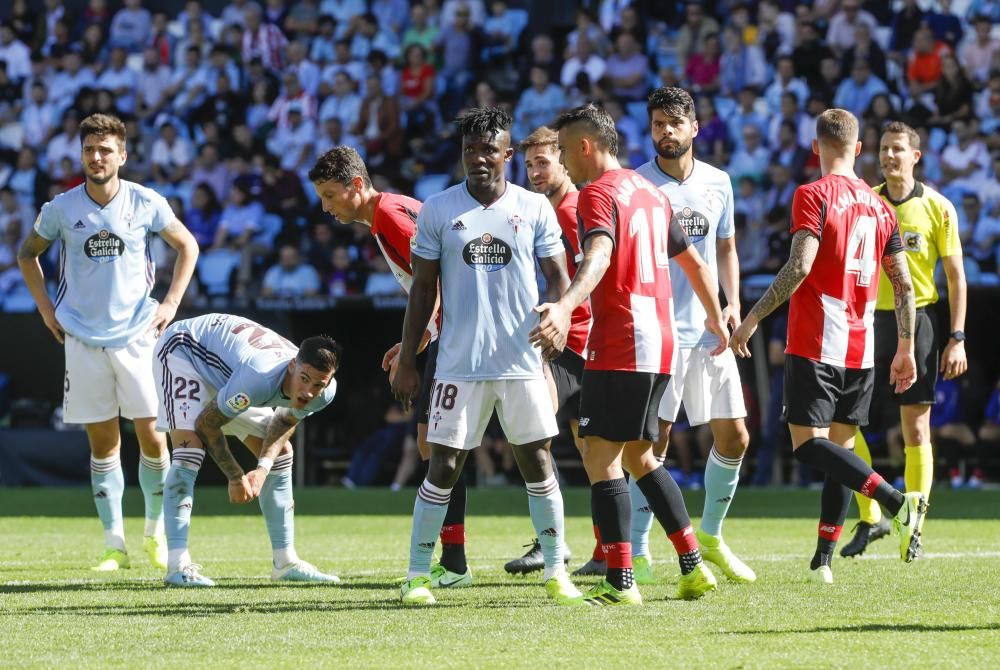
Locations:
{"points": [[215, 269]]}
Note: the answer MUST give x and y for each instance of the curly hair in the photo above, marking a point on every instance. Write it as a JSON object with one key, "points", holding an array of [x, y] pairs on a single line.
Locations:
{"points": [[672, 101], [480, 121], [340, 164]]}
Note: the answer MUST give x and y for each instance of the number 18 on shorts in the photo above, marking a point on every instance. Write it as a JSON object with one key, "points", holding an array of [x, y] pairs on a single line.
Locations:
{"points": [[460, 411]]}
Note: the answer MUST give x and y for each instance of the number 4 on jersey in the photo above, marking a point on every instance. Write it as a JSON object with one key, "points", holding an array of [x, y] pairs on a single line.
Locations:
{"points": [[861, 250]]}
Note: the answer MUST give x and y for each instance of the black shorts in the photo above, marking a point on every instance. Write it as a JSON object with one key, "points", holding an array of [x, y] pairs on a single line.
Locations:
{"points": [[422, 406], [567, 372], [621, 406], [925, 350], [818, 394]]}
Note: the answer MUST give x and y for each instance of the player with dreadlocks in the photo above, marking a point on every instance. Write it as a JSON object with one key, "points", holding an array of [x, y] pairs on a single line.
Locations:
{"points": [[481, 238]]}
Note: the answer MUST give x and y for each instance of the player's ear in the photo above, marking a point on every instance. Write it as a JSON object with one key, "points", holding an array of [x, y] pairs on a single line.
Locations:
{"points": [[857, 148], [815, 147], [694, 128], [508, 154], [358, 183], [917, 153]]}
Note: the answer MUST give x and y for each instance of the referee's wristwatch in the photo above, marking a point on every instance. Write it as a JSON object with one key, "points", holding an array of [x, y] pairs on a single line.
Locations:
{"points": [[958, 336]]}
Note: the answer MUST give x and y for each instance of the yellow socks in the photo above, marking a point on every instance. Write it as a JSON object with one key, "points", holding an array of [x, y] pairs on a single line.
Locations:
{"points": [[868, 509], [919, 471]]}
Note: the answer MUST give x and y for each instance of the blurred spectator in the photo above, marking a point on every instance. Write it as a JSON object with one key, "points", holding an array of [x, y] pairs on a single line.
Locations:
{"points": [[460, 44], [172, 156], [452, 9], [840, 35], [378, 64], [189, 84], [29, 183], [344, 278], [969, 215], [381, 280], [26, 24], [986, 239], [704, 68], [543, 54], [64, 144], [809, 52], [130, 27], [152, 85], [332, 134], [751, 158], [307, 72], [15, 53], [588, 28], [383, 446], [417, 93], [320, 245], [905, 24], [66, 83], [301, 24], [121, 80], [952, 95], [419, 30], [290, 278], [342, 62], [226, 107], [790, 113], [945, 25], [628, 21], [710, 143], [501, 28], [965, 162], [633, 142], [368, 36], [39, 117], [923, 67], [344, 104], [628, 69], [775, 30], [867, 49], [785, 81], [294, 143], [583, 60], [880, 111], [342, 10], [161, 40], [379, 124], [322, 47], [989, 431], [856, 92], [788, 153], [210, 170], [538, 105], [93, 49], [15, 222], [779, 239], [262, 40], [292, 95], [203, 216], [979, 52], [693, 33], [741, 65]]}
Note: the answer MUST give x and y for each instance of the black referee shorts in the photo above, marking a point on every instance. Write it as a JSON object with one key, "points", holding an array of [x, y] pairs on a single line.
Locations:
{"points": [[621, 406], [818, 394], [925, 350]]}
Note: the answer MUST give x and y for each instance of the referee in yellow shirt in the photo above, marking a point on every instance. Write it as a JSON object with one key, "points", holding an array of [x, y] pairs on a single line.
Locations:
{"points": [[928, 225]]}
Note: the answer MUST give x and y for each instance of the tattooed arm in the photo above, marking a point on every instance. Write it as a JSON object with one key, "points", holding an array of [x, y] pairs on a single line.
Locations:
{"points": [[279, 432], [208, 426], [790, 277], [903, 371]]}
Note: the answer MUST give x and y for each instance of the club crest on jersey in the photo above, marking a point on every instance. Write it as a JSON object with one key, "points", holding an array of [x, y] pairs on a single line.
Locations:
{"points": [[694, 223], [912, 241], [515, 222], [239, 402], [487, 253], [104, 247]]}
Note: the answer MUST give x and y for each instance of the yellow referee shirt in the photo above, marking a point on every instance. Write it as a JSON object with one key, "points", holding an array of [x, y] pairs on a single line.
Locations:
{"points": [[928, 224]]}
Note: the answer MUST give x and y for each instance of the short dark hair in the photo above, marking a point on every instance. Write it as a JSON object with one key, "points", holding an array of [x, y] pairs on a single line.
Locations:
{"points": [[599, 124], [101, 125], [321, 352], [480, 121], [340, 164], [837, 127], [903, 129], [672, 101]]}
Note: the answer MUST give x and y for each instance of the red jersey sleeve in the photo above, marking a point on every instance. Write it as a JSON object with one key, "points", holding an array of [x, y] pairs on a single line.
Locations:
{"points": [[808, 211], [597, 212]]}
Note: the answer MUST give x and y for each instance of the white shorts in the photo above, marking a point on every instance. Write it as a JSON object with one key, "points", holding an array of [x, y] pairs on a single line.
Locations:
{"points": [[183, 394], [102, 383], [460, 410], [708, 385]]}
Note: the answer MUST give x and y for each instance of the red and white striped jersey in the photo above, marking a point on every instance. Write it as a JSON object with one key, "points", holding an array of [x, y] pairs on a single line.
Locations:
{"points": [[632, 304], [579, 327], [831, 315]]}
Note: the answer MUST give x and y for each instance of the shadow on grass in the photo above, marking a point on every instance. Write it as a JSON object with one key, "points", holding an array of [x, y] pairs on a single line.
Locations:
{"points": [[874, 628]]}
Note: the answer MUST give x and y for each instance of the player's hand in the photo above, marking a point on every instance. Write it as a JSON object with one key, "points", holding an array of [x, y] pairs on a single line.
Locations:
{"points": [[256, 479], [903, 371], [731, 316], [741, 337], [391, 356], [953, 360], [553, 326], [161, 319], [406, 385], [719, 329], [52, 323], [240, 490]]}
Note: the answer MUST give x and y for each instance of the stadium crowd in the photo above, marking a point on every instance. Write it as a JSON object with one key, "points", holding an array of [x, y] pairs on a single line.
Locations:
{"points": [[227, 112]]}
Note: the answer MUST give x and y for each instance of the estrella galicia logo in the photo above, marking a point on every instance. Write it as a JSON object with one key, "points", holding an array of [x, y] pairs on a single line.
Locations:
{"points": [[487, 253], [694, 223], [104, 247]]}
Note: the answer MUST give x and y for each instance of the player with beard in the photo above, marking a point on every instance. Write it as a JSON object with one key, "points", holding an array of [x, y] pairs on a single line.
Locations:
{"points": [[708, 386], [107, 321]]}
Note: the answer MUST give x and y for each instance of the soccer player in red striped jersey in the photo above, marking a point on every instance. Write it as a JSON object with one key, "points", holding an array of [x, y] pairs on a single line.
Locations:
{"points": [[341, 181], [841, 231], [628, 238]]}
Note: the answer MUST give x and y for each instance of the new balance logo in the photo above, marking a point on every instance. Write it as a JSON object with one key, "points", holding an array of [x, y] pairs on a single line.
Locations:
{"points": [[826, 528], [584, 420], [458, 225], [549, 532], [78, 225]]}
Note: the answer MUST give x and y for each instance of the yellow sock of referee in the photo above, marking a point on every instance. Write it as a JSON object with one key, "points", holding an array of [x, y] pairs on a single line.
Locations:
{"points": [[919, 469], [868, 509]]}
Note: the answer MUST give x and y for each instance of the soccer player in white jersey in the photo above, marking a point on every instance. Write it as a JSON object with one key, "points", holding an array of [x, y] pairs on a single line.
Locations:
{"points": [[482, 238], [221, 375], [701, 197], [108, 322]]}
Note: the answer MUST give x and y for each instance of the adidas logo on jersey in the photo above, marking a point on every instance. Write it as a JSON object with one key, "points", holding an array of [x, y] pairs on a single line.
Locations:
{"points": [[458, 225], [78, 225]]}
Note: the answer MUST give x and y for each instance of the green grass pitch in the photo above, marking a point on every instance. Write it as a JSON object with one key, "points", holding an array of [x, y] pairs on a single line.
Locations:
{"points": [[941, 611]]}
